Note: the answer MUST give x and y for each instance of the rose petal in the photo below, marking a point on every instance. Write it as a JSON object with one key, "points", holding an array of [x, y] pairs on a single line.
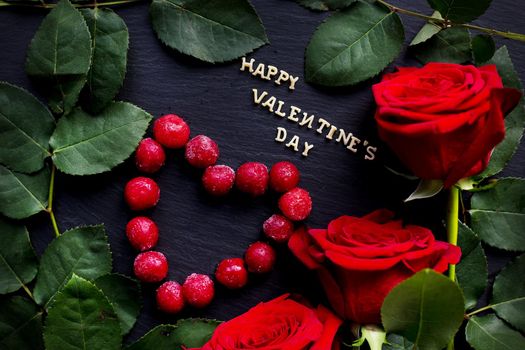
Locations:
{"points": [[364, 292], [380, 216], [300, 244], [282, 323], [358, 264], [332, 291], [451, 254], [331, 324], [502, 101], [468, 87]]}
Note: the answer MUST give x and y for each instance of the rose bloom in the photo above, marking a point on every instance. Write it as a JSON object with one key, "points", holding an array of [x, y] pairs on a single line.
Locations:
{"points": [[280, 324], [443, 120], [359, 260]]}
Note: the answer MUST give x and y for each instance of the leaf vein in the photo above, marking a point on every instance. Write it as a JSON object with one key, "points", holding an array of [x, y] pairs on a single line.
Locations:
{"points": [[61, 149], [211, 20], [354, 43], [25, 134]]}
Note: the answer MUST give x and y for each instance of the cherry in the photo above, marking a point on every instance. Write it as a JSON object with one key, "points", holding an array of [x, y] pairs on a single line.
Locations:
{"points": [[218, 179], [284, 176], [149, 156], [201, 151], [171, 131], [198, 290], [150, 266], [141, 193], [252, 178], [296, 204], [169, 297], [142, 233], [278, 228], [232, 273], [260, 257]]}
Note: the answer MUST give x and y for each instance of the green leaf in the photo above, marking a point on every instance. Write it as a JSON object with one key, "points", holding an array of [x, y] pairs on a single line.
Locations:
{"points": [[187, 332], [59, 56], [508, 295], [498, 214], [195, 332], [427, 309], [26, 126], [23, 195], [472, 271], [506, 69], [325, 5], [426, 189], [110, 39], [483, 48], [159, 338], [18, 263], [489, 333], [397, 342], [210, 30], [460, 10], [81, 317], [451, 45], [83, 251], [427, 31], [85, 145], [353, 45], [514, 126], [514, 122], [20, 324], [124, 295], [61, 45], [63, 92]]}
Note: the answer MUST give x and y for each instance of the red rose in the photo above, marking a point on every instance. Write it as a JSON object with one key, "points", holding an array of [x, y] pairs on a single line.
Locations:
{"points": [[279, 324], [443, 120], [360, 260]]}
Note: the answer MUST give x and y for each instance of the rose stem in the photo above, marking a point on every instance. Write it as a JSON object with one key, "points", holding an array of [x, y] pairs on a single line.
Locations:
{"points": [[49, 208], [50, 6], [452, 234], [484, 308], [444, 23], [28, 292], [452, 224]]}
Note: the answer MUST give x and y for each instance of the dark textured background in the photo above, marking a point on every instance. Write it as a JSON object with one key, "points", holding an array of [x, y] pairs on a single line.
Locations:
{"points": [[198, 231]]}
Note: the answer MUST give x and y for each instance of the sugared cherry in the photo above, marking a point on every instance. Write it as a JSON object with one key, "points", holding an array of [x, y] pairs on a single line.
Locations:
{"points": [[169, 297], [198, 290], [231, 273], [278, 228], [218, 179], [150, 266], [142, 233], [296, 204], [252, 178], [201, 151], [141, 193], [149, 156], [260, 257], [284, 176], [171, 131]]}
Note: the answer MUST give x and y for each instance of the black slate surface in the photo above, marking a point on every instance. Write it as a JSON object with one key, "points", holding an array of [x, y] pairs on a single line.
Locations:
{"points": [[198, 231]]}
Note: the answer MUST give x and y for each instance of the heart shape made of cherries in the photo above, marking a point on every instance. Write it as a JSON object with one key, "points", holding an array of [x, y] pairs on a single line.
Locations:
{"points": [[252, 178]]}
